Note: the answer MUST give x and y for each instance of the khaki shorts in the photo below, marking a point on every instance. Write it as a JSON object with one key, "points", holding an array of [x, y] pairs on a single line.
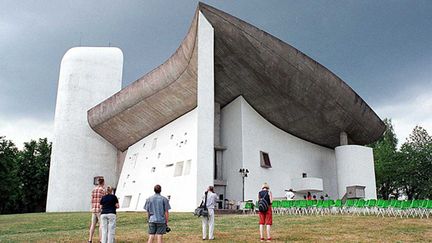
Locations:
{"points": [[95, 218]]}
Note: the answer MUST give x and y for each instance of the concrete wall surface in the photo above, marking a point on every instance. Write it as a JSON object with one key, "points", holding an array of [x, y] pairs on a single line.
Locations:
{"points": [[166, 157], [88, 75], [205, 107], [355, 166], [245, 133]]}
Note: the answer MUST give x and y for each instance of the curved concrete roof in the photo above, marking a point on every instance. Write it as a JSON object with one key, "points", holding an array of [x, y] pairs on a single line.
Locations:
{"points": [[289, 89]]}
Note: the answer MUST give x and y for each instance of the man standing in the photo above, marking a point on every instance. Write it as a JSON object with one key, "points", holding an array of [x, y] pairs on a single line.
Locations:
{"points": [[211, 202], [157, 208], [97, 193]]}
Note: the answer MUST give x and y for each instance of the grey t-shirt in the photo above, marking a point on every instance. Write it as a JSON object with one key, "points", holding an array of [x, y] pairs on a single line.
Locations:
{"points": [[156, 206]]}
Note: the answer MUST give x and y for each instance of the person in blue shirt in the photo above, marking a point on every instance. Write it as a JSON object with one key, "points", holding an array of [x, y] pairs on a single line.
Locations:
{"points": [[157, 207]]}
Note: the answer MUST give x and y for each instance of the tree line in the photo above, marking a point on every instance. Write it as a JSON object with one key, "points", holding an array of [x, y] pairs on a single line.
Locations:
{"points": [[24, 176], [406, 170]]}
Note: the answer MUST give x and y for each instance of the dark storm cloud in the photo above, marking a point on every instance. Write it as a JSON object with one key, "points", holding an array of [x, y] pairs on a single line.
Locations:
{"points": [[378, 47]]}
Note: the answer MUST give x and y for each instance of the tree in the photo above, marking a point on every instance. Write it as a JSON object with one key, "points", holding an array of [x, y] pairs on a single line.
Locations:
{"points": [[386, 161], [9, 193], [33, 164], [416, 170]]}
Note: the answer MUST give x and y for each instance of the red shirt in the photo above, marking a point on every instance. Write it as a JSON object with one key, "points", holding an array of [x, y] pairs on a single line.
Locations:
{"points": [[96, 196]]}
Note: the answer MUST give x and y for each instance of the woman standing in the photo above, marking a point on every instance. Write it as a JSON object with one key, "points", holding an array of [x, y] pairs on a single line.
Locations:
{"points": [[109, 204], [265, 218]]}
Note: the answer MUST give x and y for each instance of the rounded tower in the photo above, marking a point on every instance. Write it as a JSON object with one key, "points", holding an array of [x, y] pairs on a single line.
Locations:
{"points": [[88, 75]]}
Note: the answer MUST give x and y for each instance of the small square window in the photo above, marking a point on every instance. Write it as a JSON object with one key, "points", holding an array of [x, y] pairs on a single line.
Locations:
{"points": [[159, 155], [304, 175], [96, 180], [265, 160], [172, 136]]}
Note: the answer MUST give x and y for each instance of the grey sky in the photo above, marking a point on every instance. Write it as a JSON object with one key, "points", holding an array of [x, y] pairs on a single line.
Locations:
{"points": [[382, 49]]}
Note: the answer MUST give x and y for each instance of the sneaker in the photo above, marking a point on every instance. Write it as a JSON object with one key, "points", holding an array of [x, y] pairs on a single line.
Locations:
{"points": [[262, 239], [269, 239]]}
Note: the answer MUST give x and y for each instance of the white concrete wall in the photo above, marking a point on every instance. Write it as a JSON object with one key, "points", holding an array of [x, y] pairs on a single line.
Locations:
{"points": [[232, 139], [88, 75], [289, 155], [355, 166], [205, 107], [147, 165]]}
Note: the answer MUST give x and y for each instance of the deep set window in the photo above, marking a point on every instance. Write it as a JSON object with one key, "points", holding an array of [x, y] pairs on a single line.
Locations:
{"points": [[265, 160]]}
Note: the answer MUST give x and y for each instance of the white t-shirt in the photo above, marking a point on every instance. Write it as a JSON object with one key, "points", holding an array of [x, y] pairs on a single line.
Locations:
{"points": [[289, 195], [211, 200]]}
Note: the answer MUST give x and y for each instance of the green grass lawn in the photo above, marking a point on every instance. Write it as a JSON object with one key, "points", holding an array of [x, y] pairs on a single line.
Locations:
{"points": [[132, 227]]}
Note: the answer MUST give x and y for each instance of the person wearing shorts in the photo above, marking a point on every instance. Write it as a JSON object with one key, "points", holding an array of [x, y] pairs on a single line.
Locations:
{"points": [[157, 207], [265, 218]]}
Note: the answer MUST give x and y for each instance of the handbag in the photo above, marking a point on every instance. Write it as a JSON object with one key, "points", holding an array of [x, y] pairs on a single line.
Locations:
{"points": [[202, 209]]}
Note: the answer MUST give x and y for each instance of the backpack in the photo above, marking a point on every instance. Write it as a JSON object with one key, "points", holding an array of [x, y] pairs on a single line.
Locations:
{"points": [[263, 204]]}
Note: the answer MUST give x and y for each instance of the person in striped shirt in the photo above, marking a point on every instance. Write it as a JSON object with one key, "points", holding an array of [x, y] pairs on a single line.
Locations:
{"points": [[96, 195]]}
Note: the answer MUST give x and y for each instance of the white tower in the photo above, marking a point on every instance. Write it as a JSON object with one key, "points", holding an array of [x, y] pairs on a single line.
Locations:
{"points": [[88, 75]]}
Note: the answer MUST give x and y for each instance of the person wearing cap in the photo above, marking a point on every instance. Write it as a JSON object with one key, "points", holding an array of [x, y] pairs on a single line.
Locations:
{"points": [[289, 194], [265, 218]]}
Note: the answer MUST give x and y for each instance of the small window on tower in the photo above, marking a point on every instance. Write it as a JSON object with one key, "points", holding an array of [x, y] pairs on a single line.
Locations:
{"points": [[96, 180], [154, 143], [265, 160]]}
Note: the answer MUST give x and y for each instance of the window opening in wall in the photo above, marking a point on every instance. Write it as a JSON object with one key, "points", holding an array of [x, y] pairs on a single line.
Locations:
{"points": [[127, 177], [126, 201], [187, 167], [153, 169], [154, 143], [169, 165], [178, 168], [186, 141], [96, 180], [185, 133], [159, 155], [265, 160], [134, 160], [133, 181], [124, 184], [304, 175], [172, 136], [215, 168], [143, 145], [136, 205]]}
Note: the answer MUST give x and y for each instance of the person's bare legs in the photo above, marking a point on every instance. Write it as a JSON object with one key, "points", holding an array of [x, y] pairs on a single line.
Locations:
{"points": [[268, 231], [94, 221], [92, 229], [261, 229], [150, 239], [159, 238]]}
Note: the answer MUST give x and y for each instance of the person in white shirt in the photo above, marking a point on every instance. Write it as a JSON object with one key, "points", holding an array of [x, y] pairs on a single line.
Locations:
{"points": [[290, 194], [211, 202]]}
